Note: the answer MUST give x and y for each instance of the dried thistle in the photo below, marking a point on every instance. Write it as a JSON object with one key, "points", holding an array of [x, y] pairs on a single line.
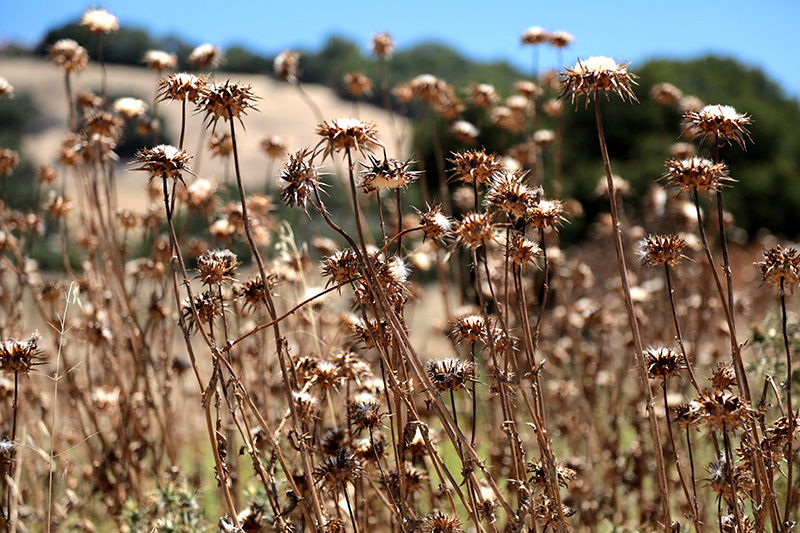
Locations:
{"points": [[781, 267], [299, 178], [160, 60], [663, 362], [336, 472], [348, 134], [438, 522], [474, 229], [206, 56], [661, 250], [163, 161], [386, 174], [696, 174], [382, 45], [216, 266], [19, 356], [597, 74], [434, 223], [226, 101], [99, 21], [509, 194], [451, 374], [181, 86], [286, 66], [721, 121], [69, 55], [545, 214]]}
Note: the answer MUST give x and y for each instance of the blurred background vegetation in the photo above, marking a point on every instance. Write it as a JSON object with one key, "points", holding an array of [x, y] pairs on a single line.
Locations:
{"points": [[766, 194]]}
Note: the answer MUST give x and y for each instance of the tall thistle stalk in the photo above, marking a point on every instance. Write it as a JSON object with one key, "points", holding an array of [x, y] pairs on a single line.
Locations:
{"points": [[588, 79]]}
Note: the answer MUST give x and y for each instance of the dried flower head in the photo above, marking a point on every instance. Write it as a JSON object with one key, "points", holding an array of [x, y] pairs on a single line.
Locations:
{"points": [[69, 55], [597, 74], [160, 60], [336, 472], [464, 131], [474, 167], [6, 89], [357, 84], [541, 478], [470, 328], [209, 306], [163, 161], [434, 223], [252, 291], [299, 178], [306, 406], [130, 108], [509, 194], [99, 21], [340, 267], [8, 160], [221, 144], [181, 86], [545, 214], [19, 356], [216, 266], [382, 45], [723, 410], [274, 146], [206, 56], [57, 206], [365, 414], [101, 123], [661, 250], [696, 174], [522, 251], [534, 35], [474, 229], [439, 522], [560, 39], [721, 121], [286, 66], [663, 362], [781, 267], [503, 117], [451, 374], [483, 95], [723, 377], [348, 134], [226, 101], [666, 94], [431, 90], [386, 173], [527, 89]]}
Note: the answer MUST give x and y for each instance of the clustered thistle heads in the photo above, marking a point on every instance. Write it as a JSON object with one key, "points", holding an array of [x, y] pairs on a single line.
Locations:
{"points": [[720, 121], [597, 74], [781, 267], [697, 174], [662, 250], [20, 356], [339, 470]]}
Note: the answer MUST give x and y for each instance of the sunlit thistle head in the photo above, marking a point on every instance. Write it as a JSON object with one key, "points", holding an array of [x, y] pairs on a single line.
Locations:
{"points": [[348, 134], [720, 121], [69, 55], [160, 60], [206, 56], [661, 250], [696, 174], [99, 21], [595, 75]]}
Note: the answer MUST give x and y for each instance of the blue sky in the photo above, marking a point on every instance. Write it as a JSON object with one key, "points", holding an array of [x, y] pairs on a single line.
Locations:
{"points": [[764, 34]]}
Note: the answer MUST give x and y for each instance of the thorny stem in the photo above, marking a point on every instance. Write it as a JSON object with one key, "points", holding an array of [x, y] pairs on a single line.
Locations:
{"points": [[692, 501], [789, 409], [640, 364], [678, 335], [270, 304]]}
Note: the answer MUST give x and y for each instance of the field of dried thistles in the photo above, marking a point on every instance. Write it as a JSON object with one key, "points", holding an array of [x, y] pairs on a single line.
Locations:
{"points": [[418, 350]]}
